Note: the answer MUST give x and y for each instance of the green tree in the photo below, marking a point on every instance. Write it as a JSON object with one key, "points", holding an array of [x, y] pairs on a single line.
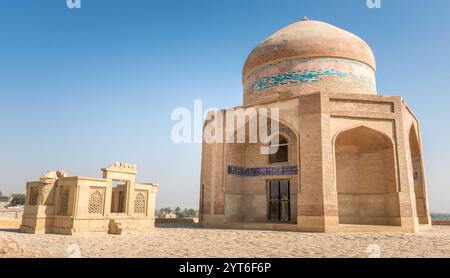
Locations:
{"points": [[192, 213], [177, 210], [17, 200], [168, 210], [165, 210], [185, 213]]}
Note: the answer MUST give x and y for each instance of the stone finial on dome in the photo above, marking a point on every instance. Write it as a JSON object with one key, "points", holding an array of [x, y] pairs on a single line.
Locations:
{"points": [[305, 18]]}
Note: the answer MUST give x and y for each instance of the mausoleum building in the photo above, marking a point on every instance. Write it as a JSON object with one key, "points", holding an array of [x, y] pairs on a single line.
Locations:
{"points": [[348, 158]]}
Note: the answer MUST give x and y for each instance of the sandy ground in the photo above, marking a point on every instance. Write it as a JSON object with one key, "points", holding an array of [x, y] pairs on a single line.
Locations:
{"points": [[192, 241]]}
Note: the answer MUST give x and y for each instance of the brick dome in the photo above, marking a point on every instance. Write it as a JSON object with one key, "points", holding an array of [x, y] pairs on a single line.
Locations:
{"points": [[309, 56]]}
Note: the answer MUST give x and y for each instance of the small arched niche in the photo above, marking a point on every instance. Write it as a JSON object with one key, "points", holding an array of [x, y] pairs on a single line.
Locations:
{"points": [[418, 176], [280, 152], [366, 178]]}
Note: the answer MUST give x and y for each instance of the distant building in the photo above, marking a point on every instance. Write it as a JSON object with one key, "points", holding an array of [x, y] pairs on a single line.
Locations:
{"points": [[5, 199], [65, 205], [168, 215]]}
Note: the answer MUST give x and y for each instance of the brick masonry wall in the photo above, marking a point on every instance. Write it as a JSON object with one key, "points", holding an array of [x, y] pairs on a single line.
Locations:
{"points": [[317, 118]]}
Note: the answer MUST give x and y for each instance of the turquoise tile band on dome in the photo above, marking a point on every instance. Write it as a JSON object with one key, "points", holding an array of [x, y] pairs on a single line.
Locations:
{"points": [[311, 70], [292, 77]]}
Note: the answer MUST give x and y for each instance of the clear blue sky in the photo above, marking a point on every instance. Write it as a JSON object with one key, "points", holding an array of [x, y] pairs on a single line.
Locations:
{"points": [[84, 88]]}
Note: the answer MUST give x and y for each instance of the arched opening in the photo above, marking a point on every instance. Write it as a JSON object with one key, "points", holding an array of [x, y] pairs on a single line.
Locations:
{"points": [[417, 172], [118, 196], [34, 196], [263, 187], [280, 151], [366, 178], [64, 203]]}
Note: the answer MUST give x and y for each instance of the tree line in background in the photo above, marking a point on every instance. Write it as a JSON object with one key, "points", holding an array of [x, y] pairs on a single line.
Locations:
{"points": [[16, 199], [181, 213], [19, 200]]}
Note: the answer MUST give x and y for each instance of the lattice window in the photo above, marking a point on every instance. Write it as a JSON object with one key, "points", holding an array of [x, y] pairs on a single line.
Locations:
{"points": [[64, 203], [34, 196], [139, 204], [95, 202]]}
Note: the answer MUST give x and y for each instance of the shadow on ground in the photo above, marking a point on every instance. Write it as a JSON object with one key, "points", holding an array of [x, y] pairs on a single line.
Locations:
{"points": [[178, 225], [9, 230]]}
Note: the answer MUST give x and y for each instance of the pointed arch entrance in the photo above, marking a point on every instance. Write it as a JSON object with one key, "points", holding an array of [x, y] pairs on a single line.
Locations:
{"points": [[366, 178]]}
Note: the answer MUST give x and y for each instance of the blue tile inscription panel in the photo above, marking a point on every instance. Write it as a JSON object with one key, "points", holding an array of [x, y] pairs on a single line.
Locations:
{"points": [[290, 170]]}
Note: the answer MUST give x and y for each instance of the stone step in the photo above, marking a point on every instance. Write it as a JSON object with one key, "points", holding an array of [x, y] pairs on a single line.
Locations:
{"points": [[118, 226]]}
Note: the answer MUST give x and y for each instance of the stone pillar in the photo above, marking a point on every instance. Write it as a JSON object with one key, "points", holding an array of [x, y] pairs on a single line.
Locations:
{"points": [[407, 201], [310, 201], [130, 198], [212, 180], [424, 178], [330, 195]]}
